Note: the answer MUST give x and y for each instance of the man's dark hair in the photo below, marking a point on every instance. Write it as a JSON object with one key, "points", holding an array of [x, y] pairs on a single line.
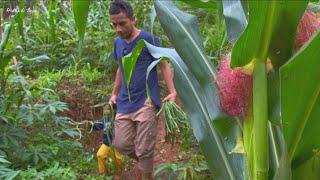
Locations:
{"points": [[118, 6]]}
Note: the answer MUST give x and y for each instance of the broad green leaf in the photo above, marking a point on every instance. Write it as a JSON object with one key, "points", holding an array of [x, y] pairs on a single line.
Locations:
{"points": [[308, 141], [80, 11], [281, 44], [181, 28], [283, 38], [183, 33], [310, 169], [235, 18], [206, 4], [271, 29], [281, 49], [193, 96], [129, 62], [300, 88], [253, 44], [189, 91]]}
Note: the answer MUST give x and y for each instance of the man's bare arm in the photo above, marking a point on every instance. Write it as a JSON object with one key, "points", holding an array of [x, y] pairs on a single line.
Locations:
{"points": [[116, 88], [168, 78]]}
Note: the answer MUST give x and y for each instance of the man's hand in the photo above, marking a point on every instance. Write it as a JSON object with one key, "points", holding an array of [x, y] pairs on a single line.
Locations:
{"points": [[113, 100], [170, 97]]}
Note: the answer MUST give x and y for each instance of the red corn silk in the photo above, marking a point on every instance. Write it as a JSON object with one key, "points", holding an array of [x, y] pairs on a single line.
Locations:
{"points": [[235, 89], [309, 24]]}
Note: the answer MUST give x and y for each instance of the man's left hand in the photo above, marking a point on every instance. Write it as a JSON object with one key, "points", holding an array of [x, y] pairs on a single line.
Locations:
{"points": [[170, 97]]}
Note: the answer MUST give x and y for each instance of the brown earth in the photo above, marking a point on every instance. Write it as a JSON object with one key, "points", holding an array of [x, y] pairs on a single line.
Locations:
{"points": [[80, 103], [72, 91]]}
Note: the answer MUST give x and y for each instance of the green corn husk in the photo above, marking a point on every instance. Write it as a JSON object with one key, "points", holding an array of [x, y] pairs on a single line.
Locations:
{"points": [[175, 120]]}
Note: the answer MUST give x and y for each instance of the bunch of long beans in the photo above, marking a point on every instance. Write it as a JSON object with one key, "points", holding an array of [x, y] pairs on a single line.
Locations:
{"points": [[176, 120]]}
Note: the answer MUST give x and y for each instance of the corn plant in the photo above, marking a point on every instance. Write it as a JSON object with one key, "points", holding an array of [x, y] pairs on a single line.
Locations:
{"points": [[272, 139], [276, 136]]}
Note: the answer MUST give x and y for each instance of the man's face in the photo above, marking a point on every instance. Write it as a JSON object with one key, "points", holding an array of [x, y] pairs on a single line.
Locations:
{"points": [[123, 25]]}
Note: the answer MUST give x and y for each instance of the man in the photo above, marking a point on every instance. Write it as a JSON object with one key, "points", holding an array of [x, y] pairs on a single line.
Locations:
{"points": [[136, 122]]}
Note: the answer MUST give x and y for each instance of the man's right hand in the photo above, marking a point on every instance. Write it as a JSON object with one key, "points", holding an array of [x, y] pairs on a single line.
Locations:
{"points": [[113, 100]]}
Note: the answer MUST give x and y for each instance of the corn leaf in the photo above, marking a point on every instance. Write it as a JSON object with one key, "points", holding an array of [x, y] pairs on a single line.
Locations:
{"points": [[270, 33], [235, 18], [192, 94], [253, 46], [183, 32], [309, 169], [52, 19], [185, 35], [206, 4], [271, 29], [283, 38], [129, 62], [181, 28], [281, 44], [308, 141], [256, 37], [300, 104], [80, 12], [281, 50]]}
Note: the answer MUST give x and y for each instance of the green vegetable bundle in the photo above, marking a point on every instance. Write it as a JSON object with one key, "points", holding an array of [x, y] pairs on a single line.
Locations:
{"points": [[175, 120]]}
